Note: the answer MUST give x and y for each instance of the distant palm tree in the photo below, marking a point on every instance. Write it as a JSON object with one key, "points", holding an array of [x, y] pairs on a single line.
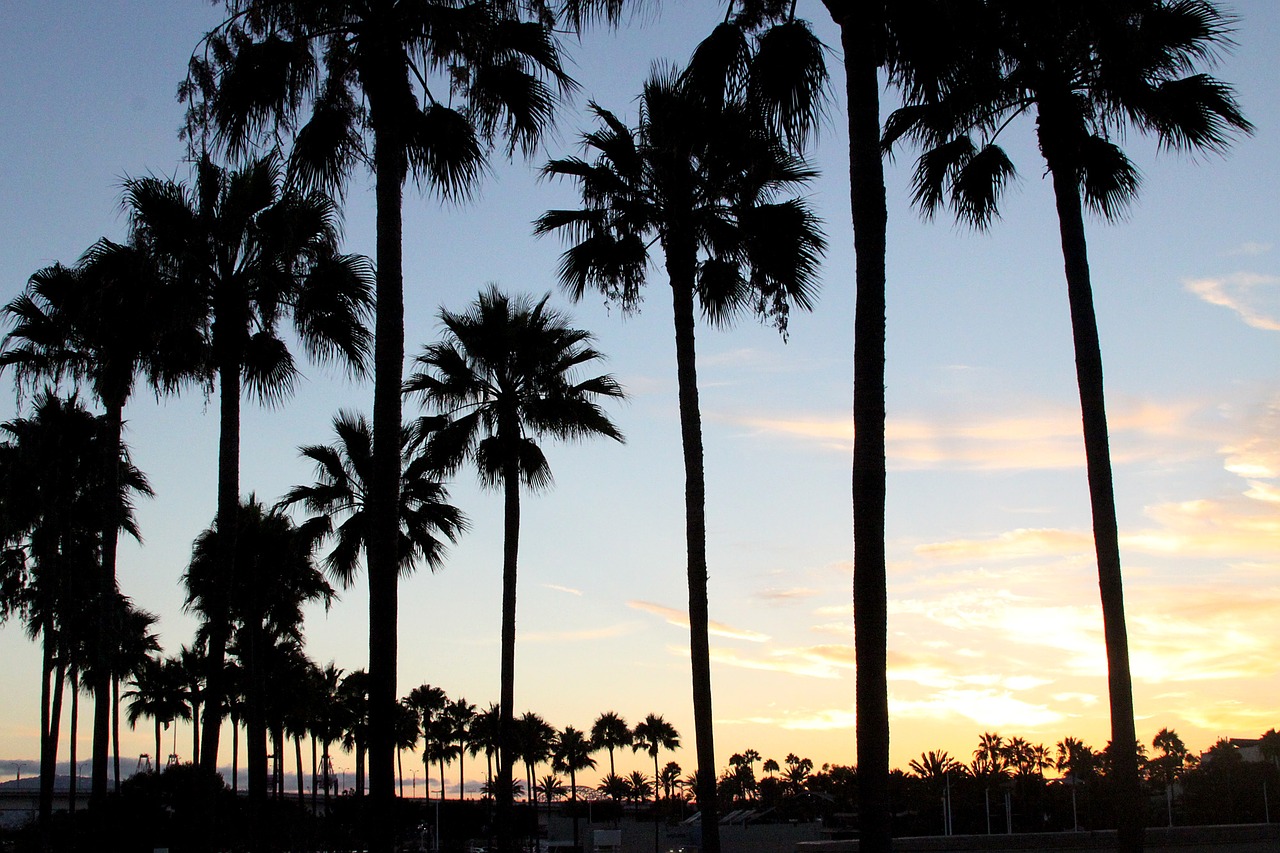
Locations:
{"points": [[610, 731], [438, 746], [771, 766], [613, 786], [339, 501], [570, 754], [484, 738], [353, 711], [653, 734], [459, 714], [247, 252], [1087, 68], [428, 701], [408, 730], [156, 692], [326, 720], [263, 607], [990, 759], [535, 740], [669, 778], [507, 374], [935, 764], [701, 182], [797, 772], [639, 787]]}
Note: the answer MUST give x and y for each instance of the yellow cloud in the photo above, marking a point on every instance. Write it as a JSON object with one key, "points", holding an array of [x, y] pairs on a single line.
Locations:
{"points": [[988, 708], [681, 618], [1014, 544]]}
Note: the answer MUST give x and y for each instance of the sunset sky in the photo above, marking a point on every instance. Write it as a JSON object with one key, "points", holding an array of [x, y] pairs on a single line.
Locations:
{"points": [[994, 615]]}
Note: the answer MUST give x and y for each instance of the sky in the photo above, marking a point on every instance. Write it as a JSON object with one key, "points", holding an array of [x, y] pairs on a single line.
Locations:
{"points": [[994, 615]]}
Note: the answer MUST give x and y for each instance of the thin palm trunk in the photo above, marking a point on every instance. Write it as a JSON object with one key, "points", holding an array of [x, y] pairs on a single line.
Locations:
{"points": [[115, 729], [506, 716], [157, 763], [71, 737], [228, 508], [114, 418], [313, 773], [235, 754], [860, 36], [390, 166], [48, 724], [1088, 352], [297, 756], [325, 764], [680, 268]]}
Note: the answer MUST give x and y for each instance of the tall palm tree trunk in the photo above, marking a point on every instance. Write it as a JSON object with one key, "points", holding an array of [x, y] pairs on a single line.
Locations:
{"points": [[114, 417], [72, 735], [506, 701], [228, 508], [861, 32], [313, 773], [50, 710], [255, 716], [235, 754], [680, 268], [1130, 808], [115, 729], [157, 765], [297, 755], [389, 164]]}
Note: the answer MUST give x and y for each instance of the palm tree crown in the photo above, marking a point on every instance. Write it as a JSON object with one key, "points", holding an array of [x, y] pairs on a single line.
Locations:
{"points": [[339, 500]]}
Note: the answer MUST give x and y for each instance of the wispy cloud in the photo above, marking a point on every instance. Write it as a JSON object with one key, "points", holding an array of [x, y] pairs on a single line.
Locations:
{"points": [[795, 593], [566, 589], [988, 708], [580, 636], [1017, 544], [681, 618], [1046, 440], [1249, 249], [1255, 297]]}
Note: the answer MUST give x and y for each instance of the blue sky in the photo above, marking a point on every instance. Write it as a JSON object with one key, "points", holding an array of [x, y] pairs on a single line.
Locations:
{"points": [[993, 594]]}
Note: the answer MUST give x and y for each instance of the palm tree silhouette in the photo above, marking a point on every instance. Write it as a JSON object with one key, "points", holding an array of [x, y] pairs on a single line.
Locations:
{"points": [[571, 753], [507, 374], [247, 250], [372, 73], [654, 734], [700, 181], [427, 701], [157, 692], [459, 715], [63, 481], [101, 322], [1086, 70], [339, 502], [276, 576], [610, 731], [535, 739]]}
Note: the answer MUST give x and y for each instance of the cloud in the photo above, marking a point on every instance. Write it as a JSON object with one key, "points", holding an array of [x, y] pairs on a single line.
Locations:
{"points": [[1255, 297], [566, 589], [580, 636], [1014, 544], [988, 708], [680, 618], [1046, 440], [789, 594]]}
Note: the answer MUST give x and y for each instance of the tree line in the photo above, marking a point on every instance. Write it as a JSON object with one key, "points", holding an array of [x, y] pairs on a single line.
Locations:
{"points": [[707, 186]]}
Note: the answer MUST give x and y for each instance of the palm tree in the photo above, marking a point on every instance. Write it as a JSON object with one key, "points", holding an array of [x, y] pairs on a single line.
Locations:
{"points": [[571, 753], [339, 501], [408, 730], [484, 738], [276, 576], [372, 73], [699, 180], [669, 778], [535, 741], [1086, 68], [247, 250], [101, 323], [934, 764], [157, 692], [326, 719], [427, 701], [653, 734], [639, 787], [353, 714], [459, 715], [438, 746], [62, 479], [508, 373], [990, 759], [610, 731]]}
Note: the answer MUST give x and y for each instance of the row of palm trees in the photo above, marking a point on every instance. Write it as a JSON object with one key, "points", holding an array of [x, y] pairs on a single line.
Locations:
{"points": [[708, 175]]}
